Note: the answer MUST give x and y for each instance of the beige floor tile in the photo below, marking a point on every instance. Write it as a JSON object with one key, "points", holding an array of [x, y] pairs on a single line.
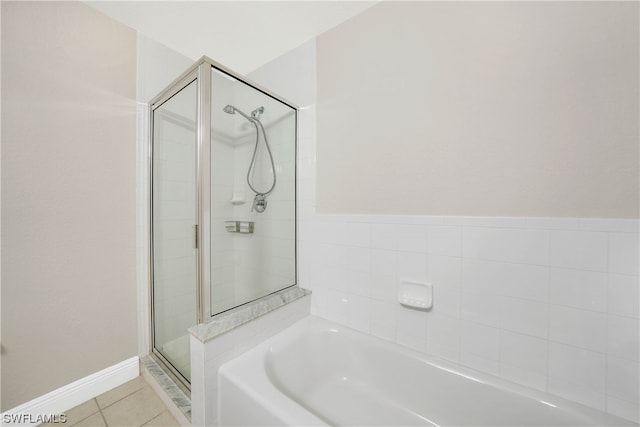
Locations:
{"points": [[135, 409], [112, 396], [165, 419], [94, 420], [80, 412], [50, 424]]}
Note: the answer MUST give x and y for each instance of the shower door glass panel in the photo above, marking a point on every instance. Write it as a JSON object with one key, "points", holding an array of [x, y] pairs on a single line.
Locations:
{"points": [[252, 246], [174, 216]]}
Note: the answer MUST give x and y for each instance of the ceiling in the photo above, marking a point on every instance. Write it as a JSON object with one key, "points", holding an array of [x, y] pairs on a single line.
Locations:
{"points": [[242, 35]]}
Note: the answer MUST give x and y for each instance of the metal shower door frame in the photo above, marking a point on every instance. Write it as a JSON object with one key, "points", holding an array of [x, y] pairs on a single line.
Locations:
{"points": [[187, 78]]}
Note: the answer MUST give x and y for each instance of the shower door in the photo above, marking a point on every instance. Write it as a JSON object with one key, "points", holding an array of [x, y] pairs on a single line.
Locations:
{"points": [[174, 215]]}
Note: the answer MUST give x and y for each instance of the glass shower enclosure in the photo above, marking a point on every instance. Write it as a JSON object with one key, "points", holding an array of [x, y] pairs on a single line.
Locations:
{"points": [[222, 205]]}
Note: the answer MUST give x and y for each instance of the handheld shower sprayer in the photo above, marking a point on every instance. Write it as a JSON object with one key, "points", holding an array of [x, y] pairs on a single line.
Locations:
{"points": [[260, 199], [230, 109]]}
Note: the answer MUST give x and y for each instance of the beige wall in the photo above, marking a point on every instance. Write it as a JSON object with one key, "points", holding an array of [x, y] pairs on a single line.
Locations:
{"points": [[502, 108], [68, 196]]}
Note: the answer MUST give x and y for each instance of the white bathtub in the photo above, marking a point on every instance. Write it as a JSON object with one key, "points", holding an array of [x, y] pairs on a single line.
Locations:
{"points": [[319, 373]]}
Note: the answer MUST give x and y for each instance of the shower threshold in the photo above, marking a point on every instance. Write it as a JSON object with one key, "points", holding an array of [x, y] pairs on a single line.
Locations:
{"points": [[173, 389]]}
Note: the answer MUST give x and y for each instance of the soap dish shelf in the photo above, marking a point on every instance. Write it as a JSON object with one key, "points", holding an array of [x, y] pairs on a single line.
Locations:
{"points": [[240, 227], [418, 296]]}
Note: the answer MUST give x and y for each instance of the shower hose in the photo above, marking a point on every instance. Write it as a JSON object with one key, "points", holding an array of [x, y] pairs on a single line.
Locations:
{"points": [[260, 199]]}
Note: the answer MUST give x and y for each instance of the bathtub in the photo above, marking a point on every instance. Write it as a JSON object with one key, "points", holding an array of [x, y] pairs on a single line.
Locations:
{"points": [[317, 372]]}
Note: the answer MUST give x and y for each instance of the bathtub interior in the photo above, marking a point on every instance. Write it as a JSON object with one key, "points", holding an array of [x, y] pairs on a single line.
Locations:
{"points": [[347, 378]]}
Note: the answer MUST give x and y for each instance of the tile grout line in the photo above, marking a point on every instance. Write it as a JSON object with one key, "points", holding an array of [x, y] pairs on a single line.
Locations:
{"points": [[146, 385], [90, 415], [128, 395], [122, 398], [158, 414], [101, 414]]}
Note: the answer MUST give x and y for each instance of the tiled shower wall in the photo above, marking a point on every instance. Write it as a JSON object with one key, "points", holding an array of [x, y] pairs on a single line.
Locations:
{"points": [[551, 303], [245, 267], [265, 260], [223, 243]]}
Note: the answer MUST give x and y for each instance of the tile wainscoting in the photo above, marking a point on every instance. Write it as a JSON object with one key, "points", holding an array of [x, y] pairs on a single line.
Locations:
{"points": [[551, 303]]}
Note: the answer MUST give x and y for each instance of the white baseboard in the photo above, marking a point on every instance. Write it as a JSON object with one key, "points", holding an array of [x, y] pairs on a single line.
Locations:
{"points": [[71, 395]]}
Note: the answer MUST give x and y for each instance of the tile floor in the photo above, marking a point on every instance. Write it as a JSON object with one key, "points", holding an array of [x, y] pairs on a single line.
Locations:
{"points": [[133, 404]]}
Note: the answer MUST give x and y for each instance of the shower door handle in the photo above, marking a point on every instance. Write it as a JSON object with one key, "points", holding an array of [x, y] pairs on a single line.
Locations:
{"points": [[195, 236]]}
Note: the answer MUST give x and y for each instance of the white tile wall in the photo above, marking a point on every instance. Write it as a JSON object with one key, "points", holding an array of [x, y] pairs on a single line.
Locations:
{"points": [[623, 253], [444, 332], [580, 328], [551, 303], [623, 295], [578, 288], [223, 245], [523, 359], [577, 374]]}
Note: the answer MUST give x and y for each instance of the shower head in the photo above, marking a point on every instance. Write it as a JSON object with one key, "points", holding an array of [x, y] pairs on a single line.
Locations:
{"points": [[257, 112], [230, 109]]}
